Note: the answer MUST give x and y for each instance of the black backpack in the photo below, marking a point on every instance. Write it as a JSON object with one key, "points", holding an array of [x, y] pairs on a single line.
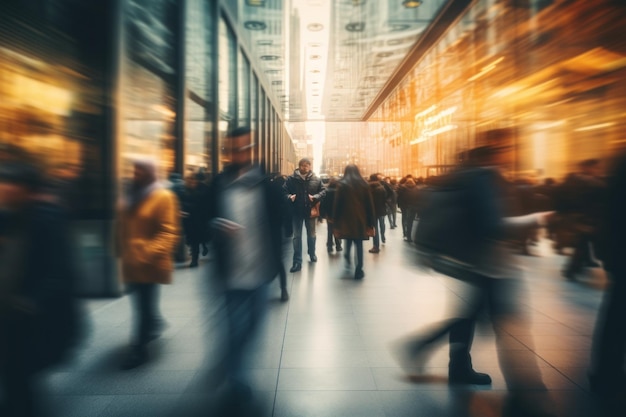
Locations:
{"points": [[455, 224]]}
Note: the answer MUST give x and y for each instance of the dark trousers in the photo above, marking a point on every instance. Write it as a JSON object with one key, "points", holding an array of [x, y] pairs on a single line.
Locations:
{"points": [[245, 310], [330, 238], [408, 215], [581, 256], [392, 212], [16, 374], [609, 344], [147, 317], [358, 248], [379, 231]]}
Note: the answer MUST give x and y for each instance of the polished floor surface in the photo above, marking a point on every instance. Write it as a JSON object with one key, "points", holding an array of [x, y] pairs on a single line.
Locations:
{"points": [[326, 352]]}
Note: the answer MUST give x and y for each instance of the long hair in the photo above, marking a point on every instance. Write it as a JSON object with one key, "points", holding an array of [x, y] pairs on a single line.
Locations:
{"points": [[352, 176]]}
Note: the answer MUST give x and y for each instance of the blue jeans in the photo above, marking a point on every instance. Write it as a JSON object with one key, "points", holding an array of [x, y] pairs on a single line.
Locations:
{"points": [[297, 237]]}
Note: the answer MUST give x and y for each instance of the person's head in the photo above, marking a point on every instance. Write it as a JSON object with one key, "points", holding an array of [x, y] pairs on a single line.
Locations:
{"points": [[304, 166], [590, 166], [374, 177], [489, 155], [351, 174], [144, 172], [19, 180], [239, 144]]}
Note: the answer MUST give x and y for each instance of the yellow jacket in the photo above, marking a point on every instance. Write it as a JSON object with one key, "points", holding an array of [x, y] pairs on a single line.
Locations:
{"points": [[148, 235]]}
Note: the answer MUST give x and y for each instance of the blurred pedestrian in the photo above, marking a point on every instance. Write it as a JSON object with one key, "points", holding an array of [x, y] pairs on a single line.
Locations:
{"points": [[496, 287], [326, 211], [607, 376], [39, 316], [353, 215], [304, 189], [379, 198], [247, 240], [148, 232]]}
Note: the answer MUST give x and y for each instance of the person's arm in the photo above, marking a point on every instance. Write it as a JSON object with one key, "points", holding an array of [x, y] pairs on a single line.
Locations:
{"points": [[165, 240]]}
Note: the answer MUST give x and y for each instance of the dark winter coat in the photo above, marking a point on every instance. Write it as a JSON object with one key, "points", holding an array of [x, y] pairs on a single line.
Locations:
{"points": [[312, 185], [379, 197], [353, 211]]}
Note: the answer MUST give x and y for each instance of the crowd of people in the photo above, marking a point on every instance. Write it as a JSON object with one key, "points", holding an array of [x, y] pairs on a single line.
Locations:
{"points": [[244, 216]]}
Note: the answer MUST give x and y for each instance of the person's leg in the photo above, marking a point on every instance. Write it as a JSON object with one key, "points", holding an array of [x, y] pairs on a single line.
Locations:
{"points": [[577, 259], [358, 247], [297, 243], [519, 372], [404, 213], [329, 236], [311, 238], [606, 374], [282, 275], [460, 369], [347, 255], [195, 253], [376, 239], [381, 222], [150, 320]]}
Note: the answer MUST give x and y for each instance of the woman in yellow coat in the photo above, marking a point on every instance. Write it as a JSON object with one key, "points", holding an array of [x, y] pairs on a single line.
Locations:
{"points": [[148, 235]]}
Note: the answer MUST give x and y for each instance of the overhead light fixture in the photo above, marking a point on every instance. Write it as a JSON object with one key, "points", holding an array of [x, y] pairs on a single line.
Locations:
{"points": [[254, 25], [269, 57], [256, 3], [411, 4], [398, 27], [315, 27], [355, 27]]}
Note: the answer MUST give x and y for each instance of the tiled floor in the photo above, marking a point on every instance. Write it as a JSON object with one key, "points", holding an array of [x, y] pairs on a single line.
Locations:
{"points": [[326, 351]]}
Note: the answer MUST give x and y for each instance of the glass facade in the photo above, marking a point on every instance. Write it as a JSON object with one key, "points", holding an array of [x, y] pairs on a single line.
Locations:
{"points": [[548, 77], [147, 80]]}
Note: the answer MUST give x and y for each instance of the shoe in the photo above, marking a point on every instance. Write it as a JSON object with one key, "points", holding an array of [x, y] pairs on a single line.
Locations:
{"points": [[205, 250], [374, 250], [468, 377], [330, 249], [383, 240], [193, 264], [284, 295], [136, 357], [296, 267], [339, 248], [412, 360], [313, 258], [347, 258], [359, 274]]}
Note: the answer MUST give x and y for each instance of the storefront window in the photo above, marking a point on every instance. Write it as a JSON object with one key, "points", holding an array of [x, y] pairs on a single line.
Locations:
{"points": [[147, 84], [200, 102]]}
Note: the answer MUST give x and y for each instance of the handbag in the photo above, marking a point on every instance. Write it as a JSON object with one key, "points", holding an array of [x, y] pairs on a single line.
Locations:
{"points": [[315, 210]]}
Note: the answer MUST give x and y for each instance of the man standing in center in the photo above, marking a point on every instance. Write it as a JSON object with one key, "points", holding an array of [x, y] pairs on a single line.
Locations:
{"points": [[303, 189]]}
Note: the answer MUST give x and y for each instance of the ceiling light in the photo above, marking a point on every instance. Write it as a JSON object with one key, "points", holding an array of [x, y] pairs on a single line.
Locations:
{"points": [[265, 42], [384, 54], [411, 4], [277, 82], [315, 27], [256, 3], [355, 27], [315, 57], [254, 25], [269, 57], [397, 27], [273, 71]]}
